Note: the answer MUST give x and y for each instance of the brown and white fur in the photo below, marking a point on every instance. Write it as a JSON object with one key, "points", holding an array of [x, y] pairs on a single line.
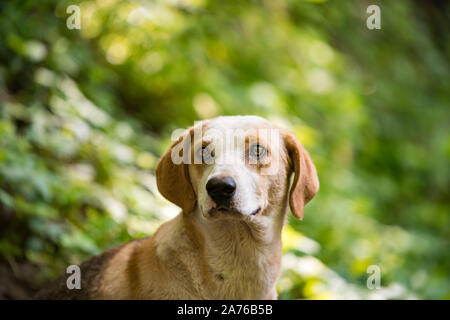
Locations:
{"points": [[207, 252]]}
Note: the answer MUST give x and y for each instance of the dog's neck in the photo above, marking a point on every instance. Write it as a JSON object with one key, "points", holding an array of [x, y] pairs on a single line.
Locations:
{"points": [[243, 254]]}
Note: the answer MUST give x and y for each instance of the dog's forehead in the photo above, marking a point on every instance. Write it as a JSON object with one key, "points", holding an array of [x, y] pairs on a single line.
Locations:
{"points": [[235, 124]]}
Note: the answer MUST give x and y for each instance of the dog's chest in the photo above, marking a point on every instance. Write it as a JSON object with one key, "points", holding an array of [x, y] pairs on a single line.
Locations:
{"points": [[249, 274]]}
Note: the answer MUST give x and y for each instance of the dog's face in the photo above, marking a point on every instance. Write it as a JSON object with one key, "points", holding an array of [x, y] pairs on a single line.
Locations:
{"points": [[236, 167], [241, 165]]}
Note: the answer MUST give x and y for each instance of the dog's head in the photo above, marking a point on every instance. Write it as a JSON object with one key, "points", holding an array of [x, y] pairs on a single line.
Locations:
{"points": [[237, 166]]}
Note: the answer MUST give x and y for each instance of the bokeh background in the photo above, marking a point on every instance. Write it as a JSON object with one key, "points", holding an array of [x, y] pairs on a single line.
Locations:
{"points": [[85, 115]]}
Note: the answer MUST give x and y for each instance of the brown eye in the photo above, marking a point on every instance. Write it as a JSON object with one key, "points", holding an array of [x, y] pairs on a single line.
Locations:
{"points": [[204, 153], [257, 151]]}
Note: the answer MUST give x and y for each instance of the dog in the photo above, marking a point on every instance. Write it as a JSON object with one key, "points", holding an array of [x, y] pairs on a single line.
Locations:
{"points": [[231, 177]]}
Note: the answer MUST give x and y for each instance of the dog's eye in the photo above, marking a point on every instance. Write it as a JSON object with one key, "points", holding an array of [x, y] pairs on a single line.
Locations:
{"points": [[204, 153], [257, 151]]}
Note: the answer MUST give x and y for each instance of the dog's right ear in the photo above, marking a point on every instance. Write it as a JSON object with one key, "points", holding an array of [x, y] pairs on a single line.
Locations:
{"points": [[172, 174]]}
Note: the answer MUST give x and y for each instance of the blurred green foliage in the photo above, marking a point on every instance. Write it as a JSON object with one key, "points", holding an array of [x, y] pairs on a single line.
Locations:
{"points": [[85, 114]]}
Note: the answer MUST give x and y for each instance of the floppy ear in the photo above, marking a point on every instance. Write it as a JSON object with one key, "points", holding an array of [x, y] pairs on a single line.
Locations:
{"points": [[172, 175], [306, 181]]}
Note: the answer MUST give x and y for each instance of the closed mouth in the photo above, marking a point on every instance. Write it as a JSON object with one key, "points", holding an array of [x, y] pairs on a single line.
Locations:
{"points": [[231, 211]]}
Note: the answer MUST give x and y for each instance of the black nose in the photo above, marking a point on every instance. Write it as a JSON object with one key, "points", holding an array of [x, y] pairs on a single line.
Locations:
{"points": [[221, 189]]}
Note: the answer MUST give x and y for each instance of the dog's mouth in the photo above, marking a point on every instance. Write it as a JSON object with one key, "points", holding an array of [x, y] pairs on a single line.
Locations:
{"points": [[230, 211]]}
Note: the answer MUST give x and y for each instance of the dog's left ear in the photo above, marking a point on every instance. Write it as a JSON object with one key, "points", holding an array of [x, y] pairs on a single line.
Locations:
{"points": [[172, 174], [306, 181]]}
